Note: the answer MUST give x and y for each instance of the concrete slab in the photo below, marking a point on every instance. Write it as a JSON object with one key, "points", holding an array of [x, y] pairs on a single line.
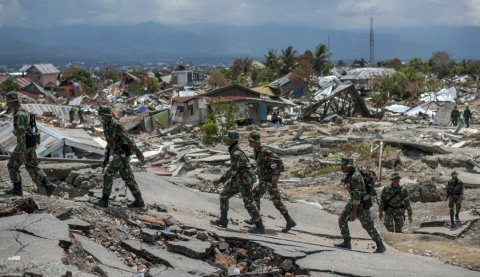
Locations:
{"points": [[110, 264], [194, 249], [441, 226], [294, 150], [77, 224], [352, 263], [470, 180], [214, 159]]}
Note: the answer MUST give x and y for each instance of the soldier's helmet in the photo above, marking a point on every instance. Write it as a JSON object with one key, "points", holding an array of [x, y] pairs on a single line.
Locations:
{"points": [[395, 175], [104, 110], [454, 173], [254, 136], [12, 96], [346, 161], [233, 135]]}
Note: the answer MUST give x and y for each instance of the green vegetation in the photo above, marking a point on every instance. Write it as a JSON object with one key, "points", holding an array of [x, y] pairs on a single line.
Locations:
{"points": [[9, 85], [79, 74], [210, 132], [223, 114]]}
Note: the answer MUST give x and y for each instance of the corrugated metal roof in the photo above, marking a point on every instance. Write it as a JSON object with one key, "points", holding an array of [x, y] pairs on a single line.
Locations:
{"points": [[23, 82], [38, 109], [366, 73], [45, 68]]}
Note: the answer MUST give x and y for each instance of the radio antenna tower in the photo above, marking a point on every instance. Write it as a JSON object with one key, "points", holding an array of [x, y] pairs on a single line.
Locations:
{"points": [[372, 43]]}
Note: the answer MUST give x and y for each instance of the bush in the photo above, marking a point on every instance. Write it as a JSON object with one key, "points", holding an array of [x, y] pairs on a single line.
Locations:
{"points": [[210, 132]]}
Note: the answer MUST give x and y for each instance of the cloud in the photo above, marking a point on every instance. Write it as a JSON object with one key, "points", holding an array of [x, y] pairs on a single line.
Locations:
{"points": [[340, 14]]}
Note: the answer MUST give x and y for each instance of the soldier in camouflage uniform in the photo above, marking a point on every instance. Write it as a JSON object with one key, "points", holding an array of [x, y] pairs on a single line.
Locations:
{"points": [[120, 146], [454, 116], [269, 167], [239, 179], [23, 154], [394, 201], [454, 196], [354, 208]]}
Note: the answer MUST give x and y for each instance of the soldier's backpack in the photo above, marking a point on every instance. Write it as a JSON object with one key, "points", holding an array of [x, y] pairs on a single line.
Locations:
{"points": [[369, 178]]}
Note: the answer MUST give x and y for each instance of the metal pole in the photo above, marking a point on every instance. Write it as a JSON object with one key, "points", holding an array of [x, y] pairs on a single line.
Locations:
{"points": [[380, 162]]}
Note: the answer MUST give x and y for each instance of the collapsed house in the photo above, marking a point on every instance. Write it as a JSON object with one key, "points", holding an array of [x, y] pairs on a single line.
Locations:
{"points": [[344, 101], [363, 78], [253, 106]]}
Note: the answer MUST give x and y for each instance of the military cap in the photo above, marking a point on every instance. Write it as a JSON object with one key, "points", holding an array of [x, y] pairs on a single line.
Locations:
{"points": [[233, 135], [254, 136], [395, 175], [104, 110], [454, 173], [346, 161], [12, 96]]}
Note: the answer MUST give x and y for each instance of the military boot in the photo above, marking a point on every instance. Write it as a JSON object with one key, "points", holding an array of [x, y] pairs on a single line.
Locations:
{"points": [[138, 203], [457, 218], [380, 247], [222, 221], [452, 225], [290, 223], [103, 202], [49, 187], [347, 244], [249, 221], [259, 228], [16, 190]]}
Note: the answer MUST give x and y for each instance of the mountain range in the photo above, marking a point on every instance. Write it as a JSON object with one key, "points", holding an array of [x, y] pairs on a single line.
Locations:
{"points": [[156, 42]]}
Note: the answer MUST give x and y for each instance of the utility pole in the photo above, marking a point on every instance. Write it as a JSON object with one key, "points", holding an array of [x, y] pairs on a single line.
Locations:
{"points": [[372, 43]]}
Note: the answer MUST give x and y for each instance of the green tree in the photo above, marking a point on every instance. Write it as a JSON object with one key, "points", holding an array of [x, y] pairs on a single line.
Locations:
{"points": [[153, 85], [9, 85], [225, 116], [341, 63], [441, 63], [287, 60], [271, 60], [216, 78], [137, 71], [79, 74], [392, 85], [321, 60], [394, 63], [419, 65]]}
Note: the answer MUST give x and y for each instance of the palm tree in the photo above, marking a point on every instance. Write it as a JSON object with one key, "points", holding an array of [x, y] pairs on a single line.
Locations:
{"points": [[288, 58], [321, 59], [271, 60]]}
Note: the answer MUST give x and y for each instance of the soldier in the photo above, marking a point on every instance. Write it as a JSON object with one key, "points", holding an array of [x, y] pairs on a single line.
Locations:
{"points": [[240, 178], [454, 196], [467, 116], [394, 201], [121, 146], [24, 152], [455, 114], [355, 208], [269, 167]]}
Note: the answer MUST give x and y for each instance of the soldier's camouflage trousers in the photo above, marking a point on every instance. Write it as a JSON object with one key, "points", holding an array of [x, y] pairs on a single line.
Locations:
{"points": [[455, 204], [245, 190], [274, 192], [365, 219], [394, 220], [119, 164], [31, 164]]}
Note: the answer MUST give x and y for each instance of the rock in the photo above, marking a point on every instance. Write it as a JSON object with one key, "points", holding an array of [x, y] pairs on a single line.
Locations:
{"points": [[27, 205], [294, 150], [202, 235], [190, 232], [287, 265], [149, 235], [448, 161], [194, 248], [176, 229], [222, 246], [61, 171], [429, 192], [77, 224], [152, 221], [224, 260]]}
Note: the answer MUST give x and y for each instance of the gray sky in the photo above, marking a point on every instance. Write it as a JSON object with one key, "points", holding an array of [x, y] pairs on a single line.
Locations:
{"points": [[336, 14]]}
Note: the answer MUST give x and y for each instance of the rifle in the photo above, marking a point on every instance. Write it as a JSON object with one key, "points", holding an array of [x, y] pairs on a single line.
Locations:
{"points": [[107, 158], [33, 125]]}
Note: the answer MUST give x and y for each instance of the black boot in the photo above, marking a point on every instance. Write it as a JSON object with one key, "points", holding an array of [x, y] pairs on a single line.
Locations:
{"points": [[16, 190], [222, 221], [49, 187], [290, 223], [452, 221], [457, 218], [103, 202], [347, 244], [138, 203], [380, 247], [249, 221], [259, 228]]}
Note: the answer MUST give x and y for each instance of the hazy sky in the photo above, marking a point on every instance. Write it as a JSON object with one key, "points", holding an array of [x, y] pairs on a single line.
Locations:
{"points": [[337, 14]]}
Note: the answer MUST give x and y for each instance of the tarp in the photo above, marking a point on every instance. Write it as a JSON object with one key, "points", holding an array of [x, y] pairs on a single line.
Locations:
{"points": [[444, 95], [396, 108]]}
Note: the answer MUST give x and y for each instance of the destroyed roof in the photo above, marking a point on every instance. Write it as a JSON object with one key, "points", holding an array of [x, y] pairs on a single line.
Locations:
{"points": [[44, 68], [23, 82], [53, 138], [61, 112], [264, 90], [366, 73], [281, 81], [242, 98]]}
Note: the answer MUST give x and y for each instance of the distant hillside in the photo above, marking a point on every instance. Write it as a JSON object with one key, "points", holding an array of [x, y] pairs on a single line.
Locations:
{"points": [[152, 41]]}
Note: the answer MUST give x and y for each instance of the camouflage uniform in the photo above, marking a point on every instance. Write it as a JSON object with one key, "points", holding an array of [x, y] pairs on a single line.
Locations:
{"points": [[356, 188], [455, 196], [467, 116], [117, 142], [21, 125], [394, 201], [454, 116], [242, 178]]}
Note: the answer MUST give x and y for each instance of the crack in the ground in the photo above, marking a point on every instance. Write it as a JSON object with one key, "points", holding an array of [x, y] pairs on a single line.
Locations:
{"points": [[338, 273]]}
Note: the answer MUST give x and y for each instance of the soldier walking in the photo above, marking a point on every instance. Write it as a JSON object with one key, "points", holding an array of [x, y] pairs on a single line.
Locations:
{"points": [[467, 116], [454, 197], [24, 152], [238, 179], [454, 116], [355, 208], [120, 145], [269, 167], [394, 201]]}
